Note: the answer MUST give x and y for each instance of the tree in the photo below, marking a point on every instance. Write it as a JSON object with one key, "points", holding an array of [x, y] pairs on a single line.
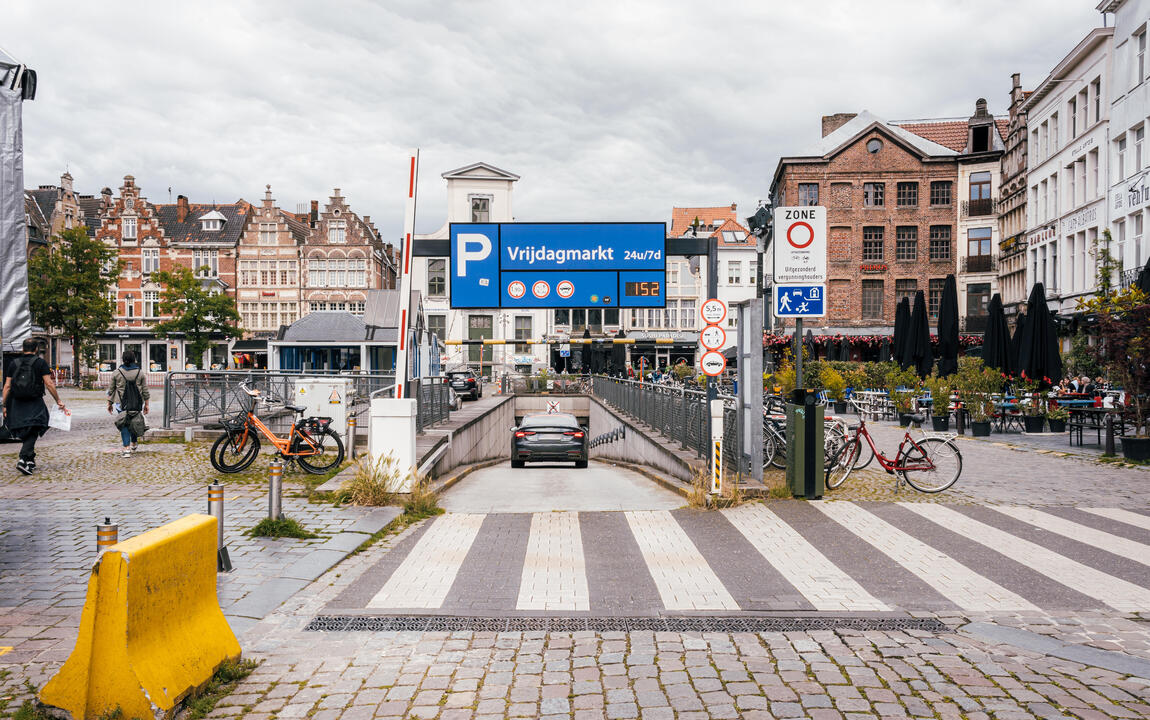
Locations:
{"points": [[196, 311], [1124, 345], [68, 289]]}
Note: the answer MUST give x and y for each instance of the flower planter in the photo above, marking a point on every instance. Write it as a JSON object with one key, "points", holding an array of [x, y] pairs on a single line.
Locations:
{"points": [[840, 407], [1136, 448], [1056, 426], [904, 419], [941, 424], [980, 428], [1034, 423]]}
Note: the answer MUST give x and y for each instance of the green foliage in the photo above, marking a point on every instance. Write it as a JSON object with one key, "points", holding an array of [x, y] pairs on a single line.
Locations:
{"points": [[373, 483], [423, 502], [682, 372], [1058, 413], [68, 288], [1031, 391], [281, 528], [975, 383], [1124, 345], [1081, 359], [902, 386], [196, 311], [833, 382], [223, 681], [876, 372], [939, 394]]}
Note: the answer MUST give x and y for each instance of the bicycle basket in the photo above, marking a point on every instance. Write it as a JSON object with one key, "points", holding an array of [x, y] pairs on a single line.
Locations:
{"points": [[246, 401]]}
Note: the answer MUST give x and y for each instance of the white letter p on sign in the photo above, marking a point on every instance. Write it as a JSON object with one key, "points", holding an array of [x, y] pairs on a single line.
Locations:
{"points": [[465, 242]]}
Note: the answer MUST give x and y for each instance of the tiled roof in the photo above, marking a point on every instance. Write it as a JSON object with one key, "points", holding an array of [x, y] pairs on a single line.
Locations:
{"points": [[45, 197], [299, 228], [950, 133], [326, 326], [191, 230], [682, 219], [849, 131], [732, 226]]}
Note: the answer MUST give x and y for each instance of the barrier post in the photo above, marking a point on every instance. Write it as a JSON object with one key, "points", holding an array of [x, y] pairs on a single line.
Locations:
{"points": [[716, 447], [216, 510], [351, 437], [275, 490], [1109, 450], [107, 535]]}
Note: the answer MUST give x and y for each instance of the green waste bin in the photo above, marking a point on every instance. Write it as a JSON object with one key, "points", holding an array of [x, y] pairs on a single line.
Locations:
{"points": [[805, 445]]}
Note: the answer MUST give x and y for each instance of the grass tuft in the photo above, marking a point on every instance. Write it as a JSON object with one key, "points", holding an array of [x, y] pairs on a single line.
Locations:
{"points": [[373, 483], [281, 528], [699, 496], [223, 681]]}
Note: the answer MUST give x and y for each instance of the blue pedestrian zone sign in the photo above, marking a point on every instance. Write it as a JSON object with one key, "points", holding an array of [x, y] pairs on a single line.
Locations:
{"points": [[800, 301], [558, 265]]}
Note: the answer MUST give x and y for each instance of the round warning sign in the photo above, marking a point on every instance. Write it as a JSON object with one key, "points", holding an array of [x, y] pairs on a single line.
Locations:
{"points": [[713, 337], [713, 311], [516, 289], [712, 363], [565, 288], [540, 289], [801, 234]]}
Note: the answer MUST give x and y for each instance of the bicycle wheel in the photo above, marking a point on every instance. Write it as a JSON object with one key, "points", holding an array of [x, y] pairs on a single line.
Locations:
{"points": [[330, 453], [769, 449], [779, 459], [840, 466], [943, 455], [865, 454], [233, 456]]}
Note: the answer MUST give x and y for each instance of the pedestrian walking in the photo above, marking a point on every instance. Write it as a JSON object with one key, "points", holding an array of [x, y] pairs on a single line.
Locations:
{"points": [[26, 414], [128, 399]]}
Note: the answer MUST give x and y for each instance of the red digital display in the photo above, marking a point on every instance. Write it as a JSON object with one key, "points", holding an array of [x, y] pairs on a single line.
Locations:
{"points": [[642, 289]]}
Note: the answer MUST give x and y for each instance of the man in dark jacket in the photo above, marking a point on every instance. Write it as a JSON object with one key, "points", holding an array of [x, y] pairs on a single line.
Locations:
{"points": [[27, 417]]}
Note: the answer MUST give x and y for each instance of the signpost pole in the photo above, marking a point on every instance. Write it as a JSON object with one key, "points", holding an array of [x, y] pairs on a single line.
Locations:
{"points": [[712, 291], [798, 352]]}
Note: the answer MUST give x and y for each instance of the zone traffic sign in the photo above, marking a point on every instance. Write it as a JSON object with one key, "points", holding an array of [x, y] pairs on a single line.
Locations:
{"points": [[800, 301], [801, 245]]}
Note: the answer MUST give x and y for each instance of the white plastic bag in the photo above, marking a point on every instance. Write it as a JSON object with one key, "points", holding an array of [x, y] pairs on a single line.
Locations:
{"points": [[59, 419]]}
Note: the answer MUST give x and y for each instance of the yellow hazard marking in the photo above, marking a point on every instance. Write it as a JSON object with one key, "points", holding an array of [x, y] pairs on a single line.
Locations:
{"points": [[5, 650], [334, 398]]}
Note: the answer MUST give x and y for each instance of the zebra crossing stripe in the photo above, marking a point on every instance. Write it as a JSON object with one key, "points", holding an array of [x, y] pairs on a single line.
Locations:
{"points": [[1115, 592], [953, 580], [1122, 516], [808, 570], [681, 573], [1128, 549], [425, 576], [554, 572]]}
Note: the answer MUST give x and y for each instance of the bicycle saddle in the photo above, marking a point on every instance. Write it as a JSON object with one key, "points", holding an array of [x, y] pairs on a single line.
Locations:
{"points": [[918, 418], [295, 408]]}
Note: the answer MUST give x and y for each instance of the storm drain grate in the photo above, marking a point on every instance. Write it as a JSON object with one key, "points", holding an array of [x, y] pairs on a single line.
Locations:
{"points": [[755, 624]]}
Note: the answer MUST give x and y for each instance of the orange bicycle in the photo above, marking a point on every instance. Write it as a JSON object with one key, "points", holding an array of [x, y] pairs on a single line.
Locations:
{"points": [[311, 443]]}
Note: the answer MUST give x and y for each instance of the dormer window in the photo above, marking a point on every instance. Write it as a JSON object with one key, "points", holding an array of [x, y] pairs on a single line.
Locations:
{"points": [[213, 221], [480, 209]]}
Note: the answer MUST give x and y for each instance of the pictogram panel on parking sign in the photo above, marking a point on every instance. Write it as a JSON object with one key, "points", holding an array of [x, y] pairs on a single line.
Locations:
{"points": [[800, 300]]}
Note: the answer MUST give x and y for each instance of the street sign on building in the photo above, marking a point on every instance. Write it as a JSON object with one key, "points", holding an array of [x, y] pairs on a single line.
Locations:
{"points": [[712, 363], [800, 301], [801, 245], [558, 265], [713, 311]]}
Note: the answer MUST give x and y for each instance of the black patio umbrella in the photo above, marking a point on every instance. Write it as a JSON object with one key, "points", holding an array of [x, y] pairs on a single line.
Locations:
{"points": [[619, 354], [997, 351], [884, 350], [1143, 280], [948, 328], [1038, 354], [918, 338], [1016, 341], [901, 326], [809, 341]]}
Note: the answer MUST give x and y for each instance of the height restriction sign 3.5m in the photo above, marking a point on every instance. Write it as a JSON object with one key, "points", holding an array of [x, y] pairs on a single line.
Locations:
{"points": [[801, 245]]}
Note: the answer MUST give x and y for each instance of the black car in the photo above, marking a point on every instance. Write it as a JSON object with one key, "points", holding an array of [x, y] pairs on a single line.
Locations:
{"points": [[554, 436], [466, 382]]}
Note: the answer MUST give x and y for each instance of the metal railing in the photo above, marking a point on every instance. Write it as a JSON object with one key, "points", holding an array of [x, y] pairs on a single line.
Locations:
{"points": [[979, 263], [1128, 278], [979, 207], [198, 396], [433, 401], [678, 413]]}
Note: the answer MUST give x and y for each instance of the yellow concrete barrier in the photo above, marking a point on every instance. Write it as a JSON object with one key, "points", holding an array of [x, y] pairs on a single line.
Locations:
{"points": [[151, 630]]}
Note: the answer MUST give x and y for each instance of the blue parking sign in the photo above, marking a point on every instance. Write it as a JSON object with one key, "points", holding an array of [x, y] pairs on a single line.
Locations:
{"points": [[800, 301]]}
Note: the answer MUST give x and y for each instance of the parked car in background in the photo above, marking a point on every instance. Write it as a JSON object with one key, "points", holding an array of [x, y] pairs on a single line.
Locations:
{"points": [[549, 436], [466, 382]]}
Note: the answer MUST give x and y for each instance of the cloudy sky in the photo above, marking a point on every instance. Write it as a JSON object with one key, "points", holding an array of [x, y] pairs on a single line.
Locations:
{"points": [[608, 110]]}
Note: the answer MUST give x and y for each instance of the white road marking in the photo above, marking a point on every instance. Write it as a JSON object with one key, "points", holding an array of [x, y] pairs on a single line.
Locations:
{"points": [[554, 572], [1115, 592], [956, 582], [1123, 516], [684, 579], [817, 578], [425, 576], [1128, 549]]}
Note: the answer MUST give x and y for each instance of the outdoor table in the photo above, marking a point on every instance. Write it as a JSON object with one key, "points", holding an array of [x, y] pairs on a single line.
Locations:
{"points": [[1092, 418], [1006, 416]]}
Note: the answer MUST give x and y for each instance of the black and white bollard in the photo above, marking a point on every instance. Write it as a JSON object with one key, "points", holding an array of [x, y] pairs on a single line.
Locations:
{"points": [[351, 437], [107, 535], [216, 510], [275, 490]]}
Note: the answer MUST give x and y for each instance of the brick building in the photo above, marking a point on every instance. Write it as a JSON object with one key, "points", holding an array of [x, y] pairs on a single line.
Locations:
{"points": [[343, 258], [891, 213], [268, 276]]}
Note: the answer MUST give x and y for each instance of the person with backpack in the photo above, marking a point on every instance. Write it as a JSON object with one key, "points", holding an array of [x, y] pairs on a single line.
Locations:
{"points": [[25, 413], [128, 398]]}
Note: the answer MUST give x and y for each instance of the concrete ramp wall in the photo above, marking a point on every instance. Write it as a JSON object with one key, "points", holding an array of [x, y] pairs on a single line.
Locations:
{"points": [[484, 437], [641, 445]]}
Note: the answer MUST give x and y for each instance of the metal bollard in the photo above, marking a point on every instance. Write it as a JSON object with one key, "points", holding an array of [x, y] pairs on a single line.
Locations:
{"points": [[216, 510], [275, 490], [107, 535], [1109, 435], [351, 437]]}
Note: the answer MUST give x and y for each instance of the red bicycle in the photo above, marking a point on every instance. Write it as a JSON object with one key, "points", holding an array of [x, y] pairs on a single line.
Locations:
{"points": [[930, 464]]}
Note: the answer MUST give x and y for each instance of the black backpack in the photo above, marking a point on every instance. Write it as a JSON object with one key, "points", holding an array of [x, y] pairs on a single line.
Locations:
{"points": [[25, 384], [130, 399]]}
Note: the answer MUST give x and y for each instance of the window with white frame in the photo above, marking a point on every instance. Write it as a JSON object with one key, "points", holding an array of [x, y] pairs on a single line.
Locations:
{"points": [[151, 304], [337, 231], [732, 315], [480, 209], [436, 277], [1140, 62], [151, 258], [1121, 160], [1139, 136], [1054, 139], [129, 228], [688, 317], [206, 263], [316, 273], [129, 203], [734, 272], [267, 233], [752, 271]]}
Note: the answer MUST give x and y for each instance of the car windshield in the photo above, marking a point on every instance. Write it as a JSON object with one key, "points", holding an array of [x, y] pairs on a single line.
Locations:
{"points": [[554, 420], [459, 374]]}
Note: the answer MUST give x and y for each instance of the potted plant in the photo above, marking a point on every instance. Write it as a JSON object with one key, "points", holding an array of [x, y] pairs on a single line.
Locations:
{"points": [[1123, 349], [901, 387], [1057, 417], [975, 383], [1032, 403], [855, 378], [939, 403], [835, 386]]}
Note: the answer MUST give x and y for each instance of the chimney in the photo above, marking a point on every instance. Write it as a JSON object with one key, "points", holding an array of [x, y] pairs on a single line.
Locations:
{"points": [[182, 209], [836, 121], [734, 207], [315, 213]]}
